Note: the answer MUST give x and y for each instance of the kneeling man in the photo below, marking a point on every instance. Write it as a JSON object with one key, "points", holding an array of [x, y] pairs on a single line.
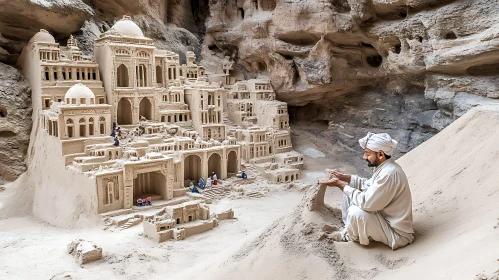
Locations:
{"points": [[378, 208]]}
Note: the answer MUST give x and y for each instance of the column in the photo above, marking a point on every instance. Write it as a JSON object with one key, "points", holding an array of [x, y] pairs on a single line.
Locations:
{"points": [[97, 73], [143, 83], [59, 73]]}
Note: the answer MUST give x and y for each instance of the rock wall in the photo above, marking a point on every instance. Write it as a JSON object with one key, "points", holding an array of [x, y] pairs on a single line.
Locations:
{"points": [[15, 122]]}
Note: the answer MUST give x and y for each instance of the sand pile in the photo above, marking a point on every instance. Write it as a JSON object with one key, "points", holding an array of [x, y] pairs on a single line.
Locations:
{"points": [[455, 184]]}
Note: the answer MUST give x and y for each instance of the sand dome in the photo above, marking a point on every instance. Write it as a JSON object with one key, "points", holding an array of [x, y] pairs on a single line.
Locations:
{"points": [[43, 36], [128, 28], [79, 94]]}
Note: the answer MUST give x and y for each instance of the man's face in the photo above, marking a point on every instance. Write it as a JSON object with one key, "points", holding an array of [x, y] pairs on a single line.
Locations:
{"points": [[372, 158]]}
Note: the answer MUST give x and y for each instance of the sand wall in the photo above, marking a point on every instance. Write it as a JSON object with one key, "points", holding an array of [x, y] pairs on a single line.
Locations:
{"points": [[55, 194], [63, 197]]}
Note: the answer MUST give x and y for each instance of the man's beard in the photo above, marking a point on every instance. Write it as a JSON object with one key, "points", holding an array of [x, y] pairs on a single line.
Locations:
{"points": [[375, 164]]}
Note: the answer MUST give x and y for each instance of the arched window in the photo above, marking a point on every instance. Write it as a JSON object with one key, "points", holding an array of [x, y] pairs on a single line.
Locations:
{"points": [[69, 128], [47, 75], [102, 125], [122, 76], [83, 127], [91, 126], [159, 75]]}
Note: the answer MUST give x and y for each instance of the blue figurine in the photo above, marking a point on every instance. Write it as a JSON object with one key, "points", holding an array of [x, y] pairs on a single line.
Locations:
{"points": [[201, 183]]}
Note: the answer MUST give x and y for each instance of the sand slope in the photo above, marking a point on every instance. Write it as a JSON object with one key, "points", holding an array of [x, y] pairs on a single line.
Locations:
{"points": [[455, 184]]}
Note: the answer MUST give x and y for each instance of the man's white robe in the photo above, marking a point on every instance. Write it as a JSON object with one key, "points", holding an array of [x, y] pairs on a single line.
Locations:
{"points": [[379, 208]]}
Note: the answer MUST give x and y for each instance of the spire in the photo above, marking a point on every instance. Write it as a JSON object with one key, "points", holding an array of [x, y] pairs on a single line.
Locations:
{"points": [[72, 42]]}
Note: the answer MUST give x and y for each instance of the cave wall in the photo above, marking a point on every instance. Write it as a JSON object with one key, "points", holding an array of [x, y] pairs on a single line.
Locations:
{"points": [[315, 50], [15, 122]]}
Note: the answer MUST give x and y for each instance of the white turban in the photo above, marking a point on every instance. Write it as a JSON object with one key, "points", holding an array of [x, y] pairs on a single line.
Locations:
{"points": [[379, 142]]}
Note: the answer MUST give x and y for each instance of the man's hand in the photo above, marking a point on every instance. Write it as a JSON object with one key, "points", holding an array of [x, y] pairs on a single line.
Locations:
{"points": [[341, 176], [335, 182]]}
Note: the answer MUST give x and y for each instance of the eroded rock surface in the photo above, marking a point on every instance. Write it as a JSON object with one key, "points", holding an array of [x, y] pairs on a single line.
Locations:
{"points": [[15, 122]]}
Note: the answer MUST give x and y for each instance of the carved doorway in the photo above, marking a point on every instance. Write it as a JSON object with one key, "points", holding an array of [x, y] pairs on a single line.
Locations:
{"points": [[215, 165], [145, 108], [232, 164], [192, 169], [124, 112]]}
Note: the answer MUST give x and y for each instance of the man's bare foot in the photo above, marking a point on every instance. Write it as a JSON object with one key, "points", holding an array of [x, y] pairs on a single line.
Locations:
{"points": [[339, 236]]}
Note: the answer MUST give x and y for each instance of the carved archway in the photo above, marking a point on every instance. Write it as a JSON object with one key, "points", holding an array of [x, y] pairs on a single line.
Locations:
{"points": [[124, 112], [192, 168], [122, 76], [215, 164], [231, 163], [145, 108]]}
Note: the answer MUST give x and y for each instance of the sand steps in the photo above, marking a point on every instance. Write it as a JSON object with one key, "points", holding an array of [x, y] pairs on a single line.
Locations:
{"points": [[230, 125], [254, 194], [130, 223], [214, 193]]}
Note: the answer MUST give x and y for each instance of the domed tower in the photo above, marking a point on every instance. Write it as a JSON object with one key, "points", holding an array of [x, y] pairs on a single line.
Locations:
{"points": [[79, 94], [77, 116], [127, 64], [52, 69]]}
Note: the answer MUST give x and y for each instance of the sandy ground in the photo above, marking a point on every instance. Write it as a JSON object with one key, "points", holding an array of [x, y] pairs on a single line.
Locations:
{"points": [[34, 250]]}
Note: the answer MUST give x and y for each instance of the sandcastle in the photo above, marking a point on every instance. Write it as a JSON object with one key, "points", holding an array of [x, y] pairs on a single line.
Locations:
{"points": [[172, 125]]}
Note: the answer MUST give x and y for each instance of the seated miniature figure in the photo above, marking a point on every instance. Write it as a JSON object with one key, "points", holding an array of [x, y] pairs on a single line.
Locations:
{"points": [[116, 142], [195, 190], [148, 201], [139, 202], [214, 178], [201, 183], [243, 175], [208, 182]]}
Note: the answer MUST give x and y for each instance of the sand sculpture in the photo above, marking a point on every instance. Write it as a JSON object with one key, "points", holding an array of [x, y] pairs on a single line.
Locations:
{"points": [[169, 124], [84, 251], [180, 221]]}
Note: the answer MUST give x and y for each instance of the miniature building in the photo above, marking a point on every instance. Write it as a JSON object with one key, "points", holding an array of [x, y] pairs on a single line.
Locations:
{"points": [[172, 125], [183, 220]]}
